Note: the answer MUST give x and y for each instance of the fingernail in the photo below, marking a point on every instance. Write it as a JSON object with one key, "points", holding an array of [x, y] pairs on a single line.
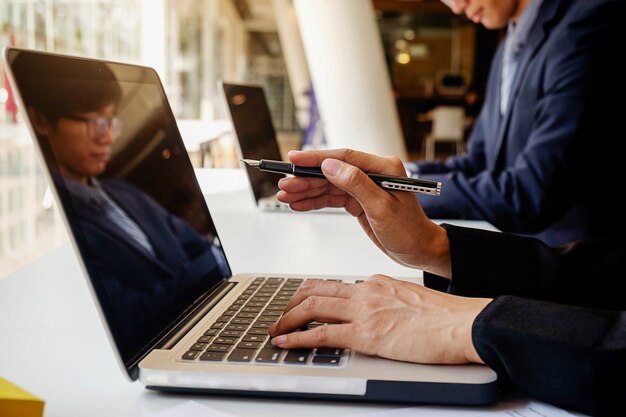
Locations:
{"points": [[279, 340], [331, 167]]}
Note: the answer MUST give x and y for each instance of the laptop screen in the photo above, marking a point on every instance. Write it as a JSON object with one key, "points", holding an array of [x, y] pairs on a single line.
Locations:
{"points": [[128, 190], [255, 132]]}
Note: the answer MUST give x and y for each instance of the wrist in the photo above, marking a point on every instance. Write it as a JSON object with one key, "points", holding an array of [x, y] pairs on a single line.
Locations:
{"points": [[477, 306], [436, 258], [458, 345]]}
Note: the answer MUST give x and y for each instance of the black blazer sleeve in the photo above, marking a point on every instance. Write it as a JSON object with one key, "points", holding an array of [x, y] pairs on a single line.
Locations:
{"points": [[557, 325]]}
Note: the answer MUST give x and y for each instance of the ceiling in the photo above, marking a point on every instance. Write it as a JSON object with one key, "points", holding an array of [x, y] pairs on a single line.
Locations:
{"points": [[259, 14], [258, 17]]}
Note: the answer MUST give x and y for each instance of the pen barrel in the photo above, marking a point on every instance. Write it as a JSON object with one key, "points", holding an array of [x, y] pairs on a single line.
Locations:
{"points": [[315, 172], [275, 166]]}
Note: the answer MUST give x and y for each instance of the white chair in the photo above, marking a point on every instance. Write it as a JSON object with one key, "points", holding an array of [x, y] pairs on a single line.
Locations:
{"points": [[448, 125]]}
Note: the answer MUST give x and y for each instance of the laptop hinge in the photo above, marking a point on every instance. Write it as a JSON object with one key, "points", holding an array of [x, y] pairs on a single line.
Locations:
{"points": [[189, 319], [194, 316]]}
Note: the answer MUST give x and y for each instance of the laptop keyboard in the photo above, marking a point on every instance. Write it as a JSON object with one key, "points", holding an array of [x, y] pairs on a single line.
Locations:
{"points": [[240, 333]]}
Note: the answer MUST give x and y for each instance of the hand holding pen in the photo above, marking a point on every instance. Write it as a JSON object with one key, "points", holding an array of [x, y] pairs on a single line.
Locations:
{"points": [[394, 221]]}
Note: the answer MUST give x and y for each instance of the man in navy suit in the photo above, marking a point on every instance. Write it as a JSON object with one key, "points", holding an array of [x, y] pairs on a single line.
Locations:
{"points": [[540, 156]]}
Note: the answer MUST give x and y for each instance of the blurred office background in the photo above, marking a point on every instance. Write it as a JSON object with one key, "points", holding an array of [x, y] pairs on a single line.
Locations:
{"points": [[430, 58]]}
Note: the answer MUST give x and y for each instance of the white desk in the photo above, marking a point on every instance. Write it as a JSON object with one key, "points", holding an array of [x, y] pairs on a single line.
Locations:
{"points": [[52, 342]]}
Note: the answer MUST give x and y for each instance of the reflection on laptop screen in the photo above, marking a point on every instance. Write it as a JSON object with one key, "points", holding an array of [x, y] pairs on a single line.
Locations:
{"points": [[122, 175]]}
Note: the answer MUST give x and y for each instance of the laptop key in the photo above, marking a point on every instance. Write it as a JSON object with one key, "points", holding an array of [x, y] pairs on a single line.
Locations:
{"points": [[297, 356], [231, 333], [219, 348], [326, 360], [191, 354], [220, 340], [204, 339], [241, 321], [231, 326], [198, 346], [329, 351], [211, 332], [246, 315], [269, 354], [241, 355], [254, 338], [212, 356], [249, 345], [270, 318]]}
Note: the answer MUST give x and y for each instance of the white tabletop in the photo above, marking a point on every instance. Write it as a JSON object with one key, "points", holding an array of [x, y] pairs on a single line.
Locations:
{"points": [[53, 344]]}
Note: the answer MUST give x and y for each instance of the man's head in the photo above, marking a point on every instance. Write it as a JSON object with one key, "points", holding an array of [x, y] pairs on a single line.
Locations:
{"points": [[492, 14], [74, 113]]}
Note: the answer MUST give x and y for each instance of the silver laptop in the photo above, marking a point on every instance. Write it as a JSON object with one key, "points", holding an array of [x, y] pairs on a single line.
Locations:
{"points": [[256, 139], [176, 318]]}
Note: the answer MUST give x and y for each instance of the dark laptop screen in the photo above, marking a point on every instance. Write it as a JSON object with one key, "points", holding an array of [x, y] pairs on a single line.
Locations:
{"points": [[127, 187], [255, 132]]}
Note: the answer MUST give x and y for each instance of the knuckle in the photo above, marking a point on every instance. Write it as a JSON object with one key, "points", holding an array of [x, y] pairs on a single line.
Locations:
{"points": [[353, 177], [376, 279], [311, 303], [307, 286], [397, 164], [321, 334]]}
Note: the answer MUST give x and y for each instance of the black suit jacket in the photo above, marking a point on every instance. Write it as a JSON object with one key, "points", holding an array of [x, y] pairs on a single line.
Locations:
{"points": [[557, 326]]}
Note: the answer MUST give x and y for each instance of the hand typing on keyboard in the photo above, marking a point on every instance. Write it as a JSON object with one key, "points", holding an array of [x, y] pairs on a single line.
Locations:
{"points": [[240, 333]]}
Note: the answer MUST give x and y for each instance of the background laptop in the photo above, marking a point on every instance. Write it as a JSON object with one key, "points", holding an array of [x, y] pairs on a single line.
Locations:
{"points": [[256, 139], [177, 320]]}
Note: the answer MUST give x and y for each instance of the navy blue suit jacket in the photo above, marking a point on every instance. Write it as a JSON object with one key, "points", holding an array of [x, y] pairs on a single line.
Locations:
{"points": [[135, 285], [548, 167]]}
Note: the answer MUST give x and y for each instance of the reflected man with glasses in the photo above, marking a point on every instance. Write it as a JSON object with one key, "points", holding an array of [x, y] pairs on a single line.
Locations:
{"points": [[137, 253]]}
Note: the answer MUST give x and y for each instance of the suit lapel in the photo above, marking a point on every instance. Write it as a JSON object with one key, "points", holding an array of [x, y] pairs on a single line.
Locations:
{"points": [[134, 211], [99, 221], [494, 121], [151, 219], [536, 39]]}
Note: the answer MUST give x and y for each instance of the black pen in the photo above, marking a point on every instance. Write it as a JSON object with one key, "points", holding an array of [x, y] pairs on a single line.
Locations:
{"points": [[390, 182]]}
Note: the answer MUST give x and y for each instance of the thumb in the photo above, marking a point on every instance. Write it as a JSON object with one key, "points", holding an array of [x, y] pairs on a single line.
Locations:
{"points": [[350, 179]]}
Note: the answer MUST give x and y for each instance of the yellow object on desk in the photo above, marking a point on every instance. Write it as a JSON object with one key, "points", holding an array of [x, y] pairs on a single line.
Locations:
{"points": [[15, 402]]}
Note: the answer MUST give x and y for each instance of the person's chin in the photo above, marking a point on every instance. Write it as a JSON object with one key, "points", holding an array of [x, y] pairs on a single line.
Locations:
{"points": [[491, 24], [100, 160], [97, 169]]}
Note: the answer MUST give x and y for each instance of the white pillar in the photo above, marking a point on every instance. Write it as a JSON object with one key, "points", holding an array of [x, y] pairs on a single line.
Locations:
{"points": [[295, 59], [154, 37], [347, 65]]}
